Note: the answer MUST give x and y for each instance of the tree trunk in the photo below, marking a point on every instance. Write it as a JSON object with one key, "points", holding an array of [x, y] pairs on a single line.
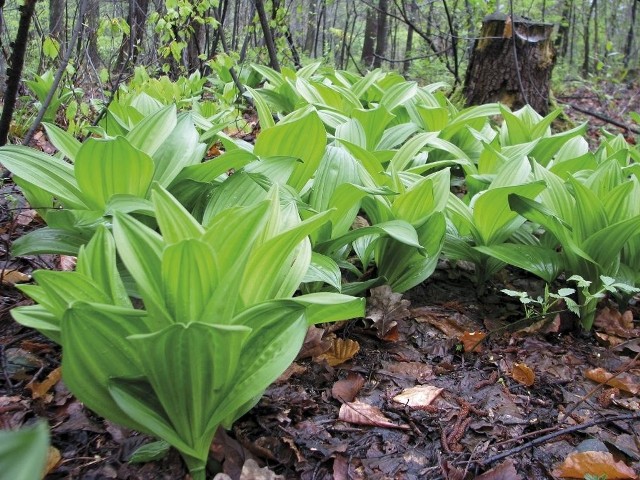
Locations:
{"points": [[268, 36], [14, 72], [381, 34], [91, 31], [511, 63], [628, 48], [130, 47], [368, 46], [56, 18]]}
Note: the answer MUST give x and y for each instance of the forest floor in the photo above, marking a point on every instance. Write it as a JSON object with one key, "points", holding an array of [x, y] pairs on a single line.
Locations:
{"points": [[414, 393]]}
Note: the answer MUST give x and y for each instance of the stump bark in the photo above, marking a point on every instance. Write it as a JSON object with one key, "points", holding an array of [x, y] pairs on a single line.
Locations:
{"points": [[498, 74]]}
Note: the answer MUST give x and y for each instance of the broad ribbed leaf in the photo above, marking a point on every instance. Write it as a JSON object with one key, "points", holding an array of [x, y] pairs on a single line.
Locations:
{"points": [[179, 150], [427, 196], [211, 169], [589, 216], [140, 249], [175, 222], [64, 288], [104, 168], [189, 278], [192, 382], [264, 113], [604, 246], [301, 135], [49, 173], [403, 266], [492, 216], [278, 330], [397, 229], [336, 168], [23, 453], [271, 272], [97, 260], [49, 240], [96, 349], [352, 131], [374, 121], [151, 132], [396, 135], [323, 269], [543, 262], [63, 141], [410, 149], [398, 94], [38, 318], [330, 307]]}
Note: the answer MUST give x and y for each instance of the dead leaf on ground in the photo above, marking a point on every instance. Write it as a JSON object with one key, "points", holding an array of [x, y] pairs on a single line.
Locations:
{"points": [[523, 374], [505, 471], [472, 341], [385, 308], [579, 464], [419, 396], [361, 413], [294, 369], [340, 351], [53, 459], [346, 389], [612, 322], [623, 381], [314, 343], [252, 471], [40, 389], [25, 217], [10, 277], [67, 263]]}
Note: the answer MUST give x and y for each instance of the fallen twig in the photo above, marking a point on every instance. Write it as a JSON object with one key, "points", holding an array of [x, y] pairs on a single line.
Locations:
{"points": [[601, 117], [546, 438]]}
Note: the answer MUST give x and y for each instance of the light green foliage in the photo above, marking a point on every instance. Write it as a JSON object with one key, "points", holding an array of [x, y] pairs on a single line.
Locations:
{"points": [[23, 453], [219, 324], [106, 175], [41, 85]]}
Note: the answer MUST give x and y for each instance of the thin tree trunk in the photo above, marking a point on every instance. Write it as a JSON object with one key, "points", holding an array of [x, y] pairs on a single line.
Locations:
{"points": [[93, 22], [368, 46], [56, 18], [130, 47], [587, 42], [268, 37], [14, 72], [628, 48]]}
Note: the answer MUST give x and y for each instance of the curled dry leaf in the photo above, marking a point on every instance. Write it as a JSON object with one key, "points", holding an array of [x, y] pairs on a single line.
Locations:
{"points": [[472, 341], [419, 396], [10, 277], [25, 217], [614, 323], [339, 352], [361, 413], [623, 382], [67, 263], [385, 308], [579, 464], [314, 343], [53, 459], [505, 471], [345, 390], [523, 374], [40, 389]]}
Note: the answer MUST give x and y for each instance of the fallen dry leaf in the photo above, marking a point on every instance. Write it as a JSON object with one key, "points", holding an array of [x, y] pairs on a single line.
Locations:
{"points": [[53, 459], [579, 464], [361, 413], [523, 374], [505, 471], [40, 389], [385, 308], [294, 369], [25, 217], [10, 277], [340, 351], [623, 382], [419, 396], [472, 341], [314, 343], [67, 263], [612, 322], [346, 389]]}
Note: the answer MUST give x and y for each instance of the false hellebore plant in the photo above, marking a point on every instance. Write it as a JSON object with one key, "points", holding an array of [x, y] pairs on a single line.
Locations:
{"points": [[219, 323]]}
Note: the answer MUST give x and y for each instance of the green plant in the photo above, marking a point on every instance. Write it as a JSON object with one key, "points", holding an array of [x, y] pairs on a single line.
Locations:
{"points": [[219, 322], [541, 306], [41, 85], [106, 175], [587, 226], [23, 453]]}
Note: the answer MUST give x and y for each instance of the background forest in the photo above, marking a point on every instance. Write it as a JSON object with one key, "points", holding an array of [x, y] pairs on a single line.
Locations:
{"points": [[424, 40]]}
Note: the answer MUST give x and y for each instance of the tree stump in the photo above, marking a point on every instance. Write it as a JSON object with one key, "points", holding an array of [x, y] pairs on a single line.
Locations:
{"points": [[498, 74]]}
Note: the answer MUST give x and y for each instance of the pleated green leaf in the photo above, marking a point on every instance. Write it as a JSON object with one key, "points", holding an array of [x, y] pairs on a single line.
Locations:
{"points": [[44, 171], [23, 453], [104, 168], [40, 318], [323, 269], [96, 349], [151, 132], [176, 223], [63, 141], [543, 262], [189, 278]]}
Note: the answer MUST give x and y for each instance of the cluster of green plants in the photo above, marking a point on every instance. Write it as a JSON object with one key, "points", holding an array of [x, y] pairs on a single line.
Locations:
{"points": [[353, 182]]}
